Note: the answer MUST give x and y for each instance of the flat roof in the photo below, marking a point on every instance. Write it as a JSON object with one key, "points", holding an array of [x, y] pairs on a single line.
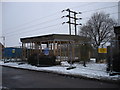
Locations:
{"points": [[51, 37]]}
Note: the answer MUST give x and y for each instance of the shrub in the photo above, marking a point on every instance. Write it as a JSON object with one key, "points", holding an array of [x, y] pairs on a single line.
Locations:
{"points": [[36, 59]]}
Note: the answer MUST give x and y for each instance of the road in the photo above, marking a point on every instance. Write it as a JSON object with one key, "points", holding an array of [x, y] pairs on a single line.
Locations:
{"points": [[18, 78]]}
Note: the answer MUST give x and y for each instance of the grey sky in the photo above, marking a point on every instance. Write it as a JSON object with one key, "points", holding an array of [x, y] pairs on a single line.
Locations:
{"points": [[23, 19], [0, 22]]}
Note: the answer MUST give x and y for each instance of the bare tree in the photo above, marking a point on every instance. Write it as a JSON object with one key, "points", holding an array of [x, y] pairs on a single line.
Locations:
{"points": [[99, 28]]}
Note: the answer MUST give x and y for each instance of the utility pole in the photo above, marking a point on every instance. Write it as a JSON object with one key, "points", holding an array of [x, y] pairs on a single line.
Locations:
{"points": [[69, 21], [70, 12], [72, 18], [3, 40], [75, 23]]}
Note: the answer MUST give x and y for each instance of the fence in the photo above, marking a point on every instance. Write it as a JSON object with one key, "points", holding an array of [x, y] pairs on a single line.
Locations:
{"points": [[114, 56], [12, 53], [77, 52]]}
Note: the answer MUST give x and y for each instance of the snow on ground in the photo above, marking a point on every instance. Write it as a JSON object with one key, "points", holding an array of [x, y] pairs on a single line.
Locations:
{"points": [[93, 70]]}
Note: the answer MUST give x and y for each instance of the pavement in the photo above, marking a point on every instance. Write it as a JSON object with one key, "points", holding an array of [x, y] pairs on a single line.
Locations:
{"points": [[70, 75], [19, 78]]}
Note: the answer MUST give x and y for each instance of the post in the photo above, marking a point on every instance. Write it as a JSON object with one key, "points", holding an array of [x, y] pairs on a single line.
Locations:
{"points": [[70, 52], [54, 47], [65, 52], [37, 51], [73, 51], [32, 48], [75, 23], [40, 47], [111, 58], [69, 23], [60, 51], [57, 48]]}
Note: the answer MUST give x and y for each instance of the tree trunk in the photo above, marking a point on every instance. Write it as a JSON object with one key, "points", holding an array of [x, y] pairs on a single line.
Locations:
{"points": [[97, 55]]}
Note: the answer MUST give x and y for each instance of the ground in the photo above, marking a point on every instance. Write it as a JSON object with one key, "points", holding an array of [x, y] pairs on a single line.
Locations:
{"points": [[92, 70], [14, 78]]}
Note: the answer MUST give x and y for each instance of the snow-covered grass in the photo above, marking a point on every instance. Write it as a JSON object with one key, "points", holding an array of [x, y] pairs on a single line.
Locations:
{"points": [[93, 70]]}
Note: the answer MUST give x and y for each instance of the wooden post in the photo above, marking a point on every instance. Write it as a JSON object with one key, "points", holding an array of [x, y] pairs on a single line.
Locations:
{"points": [[51, 46], [57, 49], [32, 48], [54, 47], [27, 50], [79, 51], [47, 44], [22, 51], [60, 51], [40, 47], [73, 54], [68, 51], [65, 52], [37, 51]]}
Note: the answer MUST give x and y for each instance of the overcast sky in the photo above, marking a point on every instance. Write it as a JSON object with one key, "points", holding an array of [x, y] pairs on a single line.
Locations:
{"points": [[26, 19]]}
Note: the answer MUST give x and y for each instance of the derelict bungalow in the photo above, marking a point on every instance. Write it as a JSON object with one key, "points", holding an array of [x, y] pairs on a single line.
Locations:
{"points": [[62, 46]]}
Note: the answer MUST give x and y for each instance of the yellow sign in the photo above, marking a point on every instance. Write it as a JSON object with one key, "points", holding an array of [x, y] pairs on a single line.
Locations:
{"points": [[13, 50], [102, 50]]}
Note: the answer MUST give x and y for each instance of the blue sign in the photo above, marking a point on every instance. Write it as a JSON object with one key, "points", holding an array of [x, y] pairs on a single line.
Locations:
{"points": [[46, 51]]}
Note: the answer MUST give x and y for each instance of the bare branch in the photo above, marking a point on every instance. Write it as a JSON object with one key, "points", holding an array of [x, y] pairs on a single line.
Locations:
{"points": [[99, 28]]}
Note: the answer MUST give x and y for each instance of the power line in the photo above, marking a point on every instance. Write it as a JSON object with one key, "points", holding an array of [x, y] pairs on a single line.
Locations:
{"points": [[84, 5], [36, 29], [55, 13], [48, 21], [98, 9], [52, 20], [39, 32], [73, 18], [83, 12], [108, 13]]}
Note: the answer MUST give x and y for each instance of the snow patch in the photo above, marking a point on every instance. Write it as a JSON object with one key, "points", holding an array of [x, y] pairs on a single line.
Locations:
{"points": [[92, 70], [65, 64]]}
